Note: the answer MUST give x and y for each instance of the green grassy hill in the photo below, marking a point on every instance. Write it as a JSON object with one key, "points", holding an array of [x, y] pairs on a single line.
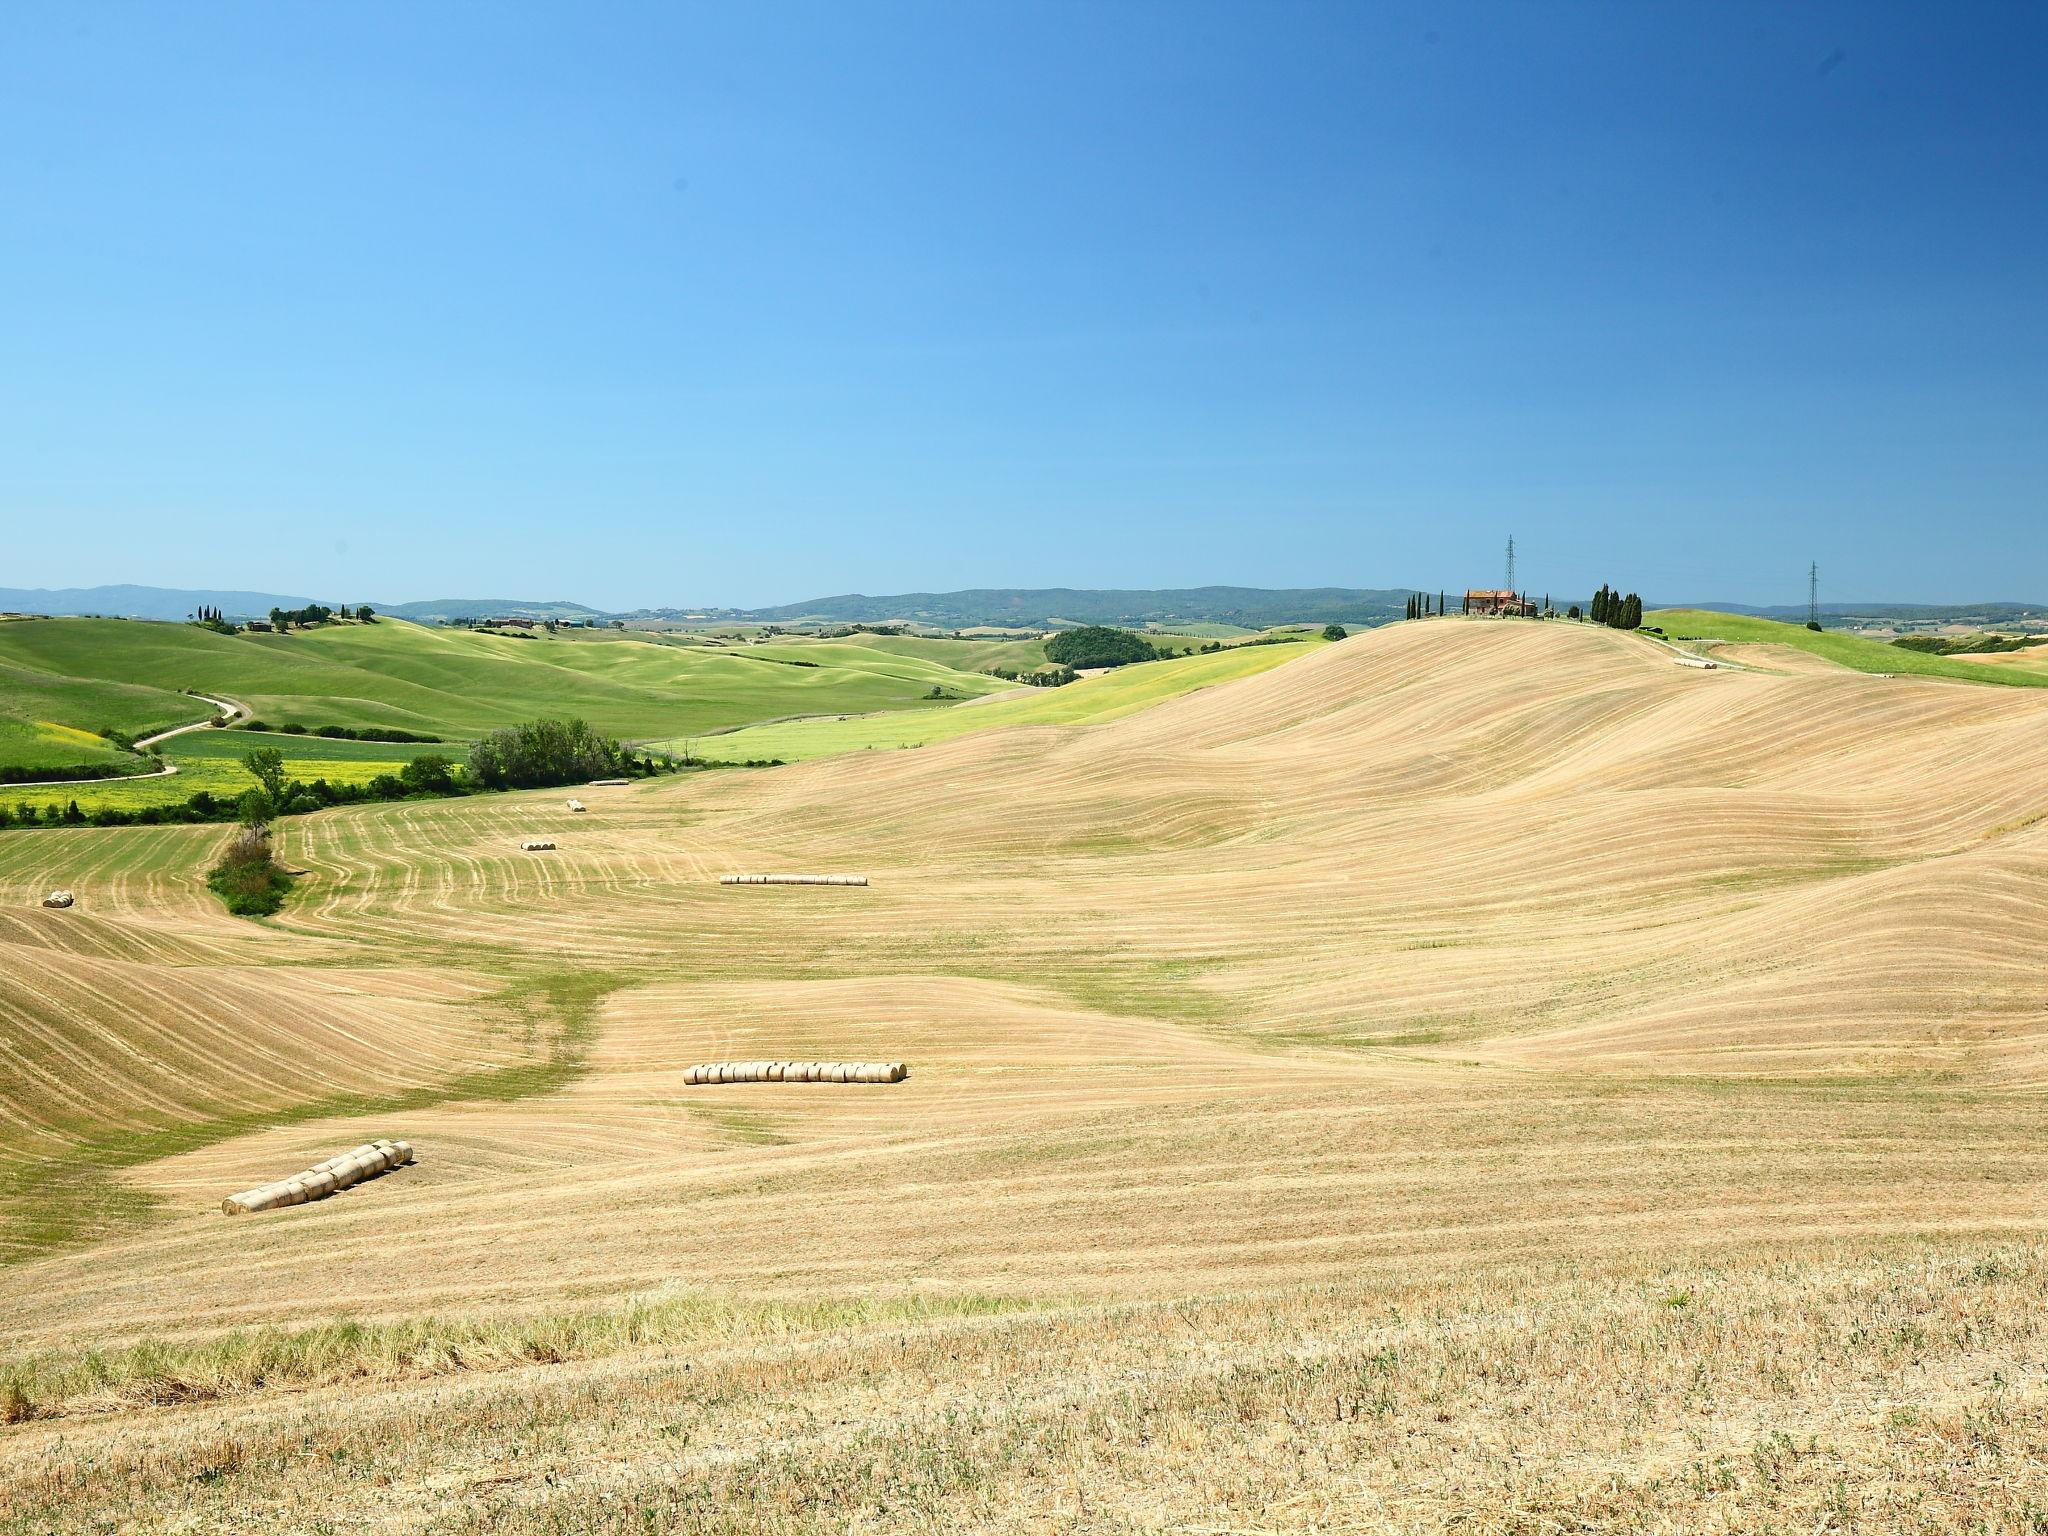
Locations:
{"points": [[62, 681], [1088, 702], [446, 682], [1851, 651]]}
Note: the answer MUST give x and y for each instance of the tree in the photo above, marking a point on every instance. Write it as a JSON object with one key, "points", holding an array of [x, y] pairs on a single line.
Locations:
{"points": [[429, 774], [1574, 613], [266, 767], [1334, 632], [365, 614], [277, 621]]}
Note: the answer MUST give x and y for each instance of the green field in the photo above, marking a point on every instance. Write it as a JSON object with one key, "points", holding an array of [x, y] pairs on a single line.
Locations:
{"points": [[63, 677], [51, 719], [1831, 645], [1088, 702]]}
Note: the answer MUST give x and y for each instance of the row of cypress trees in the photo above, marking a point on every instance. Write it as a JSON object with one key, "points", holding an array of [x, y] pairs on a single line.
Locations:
{"points": [[1418, 605], [1615, 611]]}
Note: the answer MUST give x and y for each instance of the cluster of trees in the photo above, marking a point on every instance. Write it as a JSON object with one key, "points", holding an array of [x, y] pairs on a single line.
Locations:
{"points": [[282, 619], [255, 804], [1615, 611], [1098, 645], [215, 620], [542, 753], [1418, 607]]}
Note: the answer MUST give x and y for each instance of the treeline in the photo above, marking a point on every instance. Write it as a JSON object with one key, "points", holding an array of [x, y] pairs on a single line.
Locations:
{"points": [[1968, 645], [282, 619], [60, 774], [1615, 611], [1418, 605], [545, 753], [344, 732], [1044, 677], [539, 754]]}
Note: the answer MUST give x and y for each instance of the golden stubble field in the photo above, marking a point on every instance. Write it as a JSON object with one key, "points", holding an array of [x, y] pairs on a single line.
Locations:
{"points": [[1478, 1076]]}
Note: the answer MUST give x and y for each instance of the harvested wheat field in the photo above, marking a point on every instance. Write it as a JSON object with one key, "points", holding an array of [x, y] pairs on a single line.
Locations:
{"points": [[1476, 1076]]}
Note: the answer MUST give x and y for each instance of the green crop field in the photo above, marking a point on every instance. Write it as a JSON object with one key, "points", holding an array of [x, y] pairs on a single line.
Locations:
{"points": [[1851, 651], [1087, 702], [66, 679]]}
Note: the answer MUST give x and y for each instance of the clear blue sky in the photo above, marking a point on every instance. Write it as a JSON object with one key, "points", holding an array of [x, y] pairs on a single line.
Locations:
{"points": [[748, 303]]}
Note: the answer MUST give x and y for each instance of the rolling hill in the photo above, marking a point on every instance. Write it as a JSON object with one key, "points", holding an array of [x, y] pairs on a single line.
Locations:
{"points": [[1853, 651], [67, 678], [1473, 1068]]}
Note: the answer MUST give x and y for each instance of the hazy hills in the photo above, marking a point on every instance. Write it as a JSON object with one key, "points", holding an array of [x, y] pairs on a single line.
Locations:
{"points": [[1019, 607]]}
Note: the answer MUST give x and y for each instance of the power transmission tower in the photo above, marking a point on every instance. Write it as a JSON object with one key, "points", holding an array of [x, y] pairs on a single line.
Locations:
{"points": [[1813, 594], [1509, 584]]}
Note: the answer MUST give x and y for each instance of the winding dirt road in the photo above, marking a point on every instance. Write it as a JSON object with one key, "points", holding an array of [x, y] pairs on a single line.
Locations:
{"points": [[228, 707]]}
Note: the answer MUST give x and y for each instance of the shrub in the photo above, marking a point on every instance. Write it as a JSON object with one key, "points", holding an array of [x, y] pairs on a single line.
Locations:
{"points": [[247, 878], [1335, 632], [1097, 645]]}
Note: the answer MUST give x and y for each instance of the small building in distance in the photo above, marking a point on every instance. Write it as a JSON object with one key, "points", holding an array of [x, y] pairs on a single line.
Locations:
{"points": [[1508, 604]]}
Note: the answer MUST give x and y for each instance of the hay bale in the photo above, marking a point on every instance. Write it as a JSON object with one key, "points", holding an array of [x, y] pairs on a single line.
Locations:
{"points": [[577, 805], [537, 845], [608, 783], [327, 1177], [792, 879], [59, 899], [711, 1072]]}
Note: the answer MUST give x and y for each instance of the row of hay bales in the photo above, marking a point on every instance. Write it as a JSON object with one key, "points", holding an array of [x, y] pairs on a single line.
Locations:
{"points": [[797, 1072], [323, 1179], [792, 879]]}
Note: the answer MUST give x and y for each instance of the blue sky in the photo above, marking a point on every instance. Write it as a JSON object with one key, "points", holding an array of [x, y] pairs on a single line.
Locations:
{"points": [[749, 303]]}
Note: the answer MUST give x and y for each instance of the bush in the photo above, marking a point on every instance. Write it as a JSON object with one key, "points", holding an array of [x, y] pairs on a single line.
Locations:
{"points": [[1335, 632], [544, 753], [247, 878], [1097, 645]]}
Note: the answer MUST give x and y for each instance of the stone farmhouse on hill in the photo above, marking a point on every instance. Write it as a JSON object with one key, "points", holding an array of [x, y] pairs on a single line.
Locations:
{"points": [[1509, 604]]}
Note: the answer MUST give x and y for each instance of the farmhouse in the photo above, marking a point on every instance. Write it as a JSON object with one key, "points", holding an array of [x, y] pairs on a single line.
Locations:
{"points": [[1511, 604]]}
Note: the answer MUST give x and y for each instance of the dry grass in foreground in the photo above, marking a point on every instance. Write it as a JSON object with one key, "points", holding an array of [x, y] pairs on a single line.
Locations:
{"points": [[1875, 1394]]}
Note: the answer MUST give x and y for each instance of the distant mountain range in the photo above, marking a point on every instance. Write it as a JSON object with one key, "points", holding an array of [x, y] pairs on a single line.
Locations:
{"points": [[1251, 607], [1009, 607], [175, 603]]}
